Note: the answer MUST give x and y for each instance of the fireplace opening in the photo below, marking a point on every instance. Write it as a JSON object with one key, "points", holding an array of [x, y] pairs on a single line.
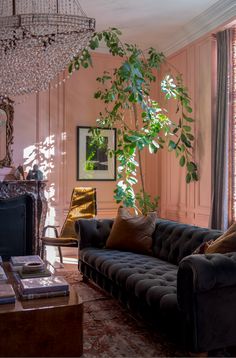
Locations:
{"points": [[16, 226]]}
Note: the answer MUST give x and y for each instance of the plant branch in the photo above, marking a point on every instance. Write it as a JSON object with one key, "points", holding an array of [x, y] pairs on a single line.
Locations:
{"points": [[139, 154]]}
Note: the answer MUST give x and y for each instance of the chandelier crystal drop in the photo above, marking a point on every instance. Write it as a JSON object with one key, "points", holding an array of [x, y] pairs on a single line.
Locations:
{"points": [[38, 39]]}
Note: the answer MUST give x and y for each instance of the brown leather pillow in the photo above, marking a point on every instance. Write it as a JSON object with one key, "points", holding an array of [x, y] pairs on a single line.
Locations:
{"points": [[132, 233], [224, 243]]}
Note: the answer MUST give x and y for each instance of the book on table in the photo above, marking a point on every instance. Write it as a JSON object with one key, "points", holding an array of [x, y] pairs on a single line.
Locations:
{"points": [[17, 262], [3, 276], [44, 273], [7, 294], [31, 296], [43, 285]]}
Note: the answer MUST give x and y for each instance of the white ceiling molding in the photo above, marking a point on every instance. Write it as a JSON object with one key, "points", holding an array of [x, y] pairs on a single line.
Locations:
{"points": [[215, 16]]}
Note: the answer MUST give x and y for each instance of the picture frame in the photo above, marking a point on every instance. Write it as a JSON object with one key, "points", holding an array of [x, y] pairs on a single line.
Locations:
{"points": [[94, 164]]}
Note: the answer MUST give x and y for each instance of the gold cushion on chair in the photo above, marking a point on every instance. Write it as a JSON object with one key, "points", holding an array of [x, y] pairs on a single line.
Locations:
{"points": [[83, 205]]}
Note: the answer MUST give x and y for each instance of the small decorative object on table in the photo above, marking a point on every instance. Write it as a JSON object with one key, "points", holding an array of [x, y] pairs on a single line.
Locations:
{"points": [[35, 173], [17, 262], [19, 173]]}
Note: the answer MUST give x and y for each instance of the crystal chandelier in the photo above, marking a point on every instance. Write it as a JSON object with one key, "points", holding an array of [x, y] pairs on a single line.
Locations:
{"points": [[38, 39]]}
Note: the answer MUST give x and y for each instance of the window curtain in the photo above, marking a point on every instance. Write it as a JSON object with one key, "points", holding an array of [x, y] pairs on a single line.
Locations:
{"points": [[222, 140]]}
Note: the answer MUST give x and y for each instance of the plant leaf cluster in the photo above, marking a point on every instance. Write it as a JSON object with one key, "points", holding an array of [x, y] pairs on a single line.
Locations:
{"points": [[141, 121]]}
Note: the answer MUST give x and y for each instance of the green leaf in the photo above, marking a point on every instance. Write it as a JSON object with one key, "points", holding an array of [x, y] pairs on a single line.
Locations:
{"points": [[132, 180], [187, 128], [194, 165], [182, 161], [191, 167], [172, 145], [77, 65], [188, 119], [195, 176], [185, 140], [132, 98], [152, 148], [97, 94], [190, 136], [70, 69], [85, 64], [188, 178]]}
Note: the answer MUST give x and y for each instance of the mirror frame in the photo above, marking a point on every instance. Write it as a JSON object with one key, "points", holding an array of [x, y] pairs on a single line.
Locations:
{"points": [[6, 104]]}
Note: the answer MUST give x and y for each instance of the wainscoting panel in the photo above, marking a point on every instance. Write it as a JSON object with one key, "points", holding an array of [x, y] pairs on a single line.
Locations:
{"points": [[45, 133], [179, 201]]}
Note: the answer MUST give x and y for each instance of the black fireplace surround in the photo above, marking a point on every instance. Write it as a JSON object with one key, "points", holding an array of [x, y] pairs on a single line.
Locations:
{"points": [[191, 297], [16, 226], [23, 210]]}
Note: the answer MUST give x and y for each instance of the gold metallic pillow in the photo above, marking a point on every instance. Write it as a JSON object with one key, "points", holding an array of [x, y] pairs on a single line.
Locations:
{"points": [[83, 205]]}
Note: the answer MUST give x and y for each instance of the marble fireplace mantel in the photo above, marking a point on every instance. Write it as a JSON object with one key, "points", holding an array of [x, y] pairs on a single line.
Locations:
{"points": [[35, 189]]}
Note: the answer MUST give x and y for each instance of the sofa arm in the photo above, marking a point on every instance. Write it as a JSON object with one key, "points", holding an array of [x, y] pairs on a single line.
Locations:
{"points": [[93, 232], [206, 293]]}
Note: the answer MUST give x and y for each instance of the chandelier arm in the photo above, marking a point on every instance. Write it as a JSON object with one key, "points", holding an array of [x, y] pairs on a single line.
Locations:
{"points": [[80, 8]]}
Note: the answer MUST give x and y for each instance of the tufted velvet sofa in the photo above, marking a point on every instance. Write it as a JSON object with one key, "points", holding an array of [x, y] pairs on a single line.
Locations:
{"points": [[191, 297]]}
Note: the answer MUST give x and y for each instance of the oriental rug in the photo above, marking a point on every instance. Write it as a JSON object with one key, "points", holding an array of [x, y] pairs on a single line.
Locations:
{"points": [[110, 330]]}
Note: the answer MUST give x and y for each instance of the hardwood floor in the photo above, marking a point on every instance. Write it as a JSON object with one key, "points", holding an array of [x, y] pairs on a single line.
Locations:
{"points": [[70, 257]]}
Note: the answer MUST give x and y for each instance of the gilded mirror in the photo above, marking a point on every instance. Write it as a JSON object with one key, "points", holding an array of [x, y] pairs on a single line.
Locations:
{"points": [[6, 131]]}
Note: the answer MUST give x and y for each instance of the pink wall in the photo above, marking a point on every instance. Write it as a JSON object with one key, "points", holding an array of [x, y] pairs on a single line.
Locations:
{"points": [[45, 132], [179, 201]]}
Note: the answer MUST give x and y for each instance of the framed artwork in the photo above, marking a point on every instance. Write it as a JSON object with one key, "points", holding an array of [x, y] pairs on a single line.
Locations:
{"points": [[94, 163]]}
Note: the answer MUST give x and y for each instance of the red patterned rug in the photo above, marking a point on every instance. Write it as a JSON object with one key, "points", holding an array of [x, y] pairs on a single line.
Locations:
{"points": [[111, 331]]}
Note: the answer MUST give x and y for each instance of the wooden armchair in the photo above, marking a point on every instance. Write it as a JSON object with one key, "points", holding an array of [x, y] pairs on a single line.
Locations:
{"points": [[83, 205]]}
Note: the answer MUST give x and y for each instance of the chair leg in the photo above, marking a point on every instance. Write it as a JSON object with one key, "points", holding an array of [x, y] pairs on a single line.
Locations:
{"points": [[60, 254], [43, 251]]}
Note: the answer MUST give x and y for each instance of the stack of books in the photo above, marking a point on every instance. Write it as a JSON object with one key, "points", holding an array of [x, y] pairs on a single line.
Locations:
{"points": [[7, 294], [28, 267], [3, 276], [42, 287], [17, 262]]}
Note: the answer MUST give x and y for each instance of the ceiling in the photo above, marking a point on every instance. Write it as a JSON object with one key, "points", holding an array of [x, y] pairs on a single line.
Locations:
{"points": [[159, 23]]}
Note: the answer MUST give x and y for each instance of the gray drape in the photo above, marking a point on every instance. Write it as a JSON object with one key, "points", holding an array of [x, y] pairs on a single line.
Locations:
{"points": [[220, 176]]}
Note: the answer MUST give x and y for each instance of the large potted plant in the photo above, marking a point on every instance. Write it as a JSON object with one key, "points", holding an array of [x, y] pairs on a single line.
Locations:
{"points": [[125, 91]]}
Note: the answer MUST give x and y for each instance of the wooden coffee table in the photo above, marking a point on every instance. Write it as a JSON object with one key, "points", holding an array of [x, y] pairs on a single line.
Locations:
{"points": [[45, 327]]}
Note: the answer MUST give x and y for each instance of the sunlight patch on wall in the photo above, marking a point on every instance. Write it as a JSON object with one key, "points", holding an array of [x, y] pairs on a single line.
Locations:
{"points": [[43, 154]]}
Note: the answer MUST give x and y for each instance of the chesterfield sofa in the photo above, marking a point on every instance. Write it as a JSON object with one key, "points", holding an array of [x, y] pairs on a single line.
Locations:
{"points": [[192, 297]]}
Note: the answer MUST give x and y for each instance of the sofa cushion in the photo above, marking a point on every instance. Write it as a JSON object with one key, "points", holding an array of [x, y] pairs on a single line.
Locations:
{"points": [[145, 277], [173, 241], [132, 233]]}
